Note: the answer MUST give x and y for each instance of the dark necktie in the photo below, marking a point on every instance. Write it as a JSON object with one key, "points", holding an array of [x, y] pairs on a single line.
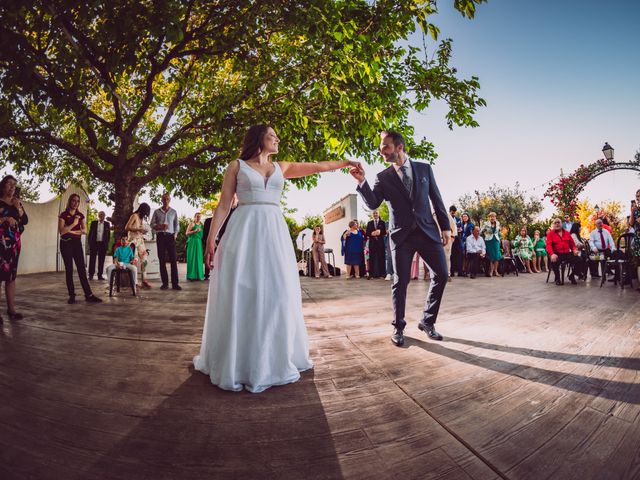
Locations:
{"points": [[604, 246], [405, 179]]}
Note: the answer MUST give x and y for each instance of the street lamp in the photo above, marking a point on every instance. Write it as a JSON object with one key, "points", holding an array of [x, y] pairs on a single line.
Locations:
{"points": [[607, 150], [597, 209]]}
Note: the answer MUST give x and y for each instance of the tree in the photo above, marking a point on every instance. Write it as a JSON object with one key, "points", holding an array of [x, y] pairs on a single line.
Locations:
{"points": [[511, 205], [587, 216], [121, 95]]}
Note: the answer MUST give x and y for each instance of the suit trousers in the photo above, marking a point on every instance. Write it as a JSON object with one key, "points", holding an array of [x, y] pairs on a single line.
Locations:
{"points": [[377, 260], [167, 251], [433, 254], [98, 249]]}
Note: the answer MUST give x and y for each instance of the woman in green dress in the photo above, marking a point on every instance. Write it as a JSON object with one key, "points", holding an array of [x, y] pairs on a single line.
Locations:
{"points": [[195, 257], [524, 250], [492, 237], [540, 250]]}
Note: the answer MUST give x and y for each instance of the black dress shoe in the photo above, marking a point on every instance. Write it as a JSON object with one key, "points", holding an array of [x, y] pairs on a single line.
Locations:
{"points": [[72, 299], [14, 316], [100, 277], [558, 282], [92, 299], [572, 279], [177, 287], [430, 330], [397, 338], [164, 287]]}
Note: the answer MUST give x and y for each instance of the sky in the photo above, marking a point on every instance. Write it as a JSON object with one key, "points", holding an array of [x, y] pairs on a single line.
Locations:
{"points": [[560, 78]]}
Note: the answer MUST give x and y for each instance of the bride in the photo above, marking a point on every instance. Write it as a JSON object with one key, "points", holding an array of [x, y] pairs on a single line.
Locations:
{"points": [[254, 334]]}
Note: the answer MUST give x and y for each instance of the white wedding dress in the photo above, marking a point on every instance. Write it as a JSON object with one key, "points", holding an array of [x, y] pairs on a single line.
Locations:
{"points": [[254, 333]]}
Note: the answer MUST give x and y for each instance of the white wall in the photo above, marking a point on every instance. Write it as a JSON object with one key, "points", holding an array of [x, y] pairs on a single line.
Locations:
{"points": [[334, 230], [40, 238]]}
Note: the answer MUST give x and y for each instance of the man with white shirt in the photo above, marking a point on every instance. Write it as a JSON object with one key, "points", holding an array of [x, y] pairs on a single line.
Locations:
{"points": [[410, 189], [476, 251], [99, 235], [165, 222], [602, 245]]}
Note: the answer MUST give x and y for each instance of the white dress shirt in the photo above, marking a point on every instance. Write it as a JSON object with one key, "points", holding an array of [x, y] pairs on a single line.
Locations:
{"points": [[476, 245], [596, 241], [100, 231]]}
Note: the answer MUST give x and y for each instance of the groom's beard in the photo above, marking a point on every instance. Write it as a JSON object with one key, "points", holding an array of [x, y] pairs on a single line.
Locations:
{"points": [[392, 158]]}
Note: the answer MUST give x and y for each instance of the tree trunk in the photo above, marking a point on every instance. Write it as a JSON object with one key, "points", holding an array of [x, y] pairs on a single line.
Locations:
{"points": [[125, 193]]}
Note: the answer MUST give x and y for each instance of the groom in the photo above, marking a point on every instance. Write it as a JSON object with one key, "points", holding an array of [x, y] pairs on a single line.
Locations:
{"points": [[408, 187]]}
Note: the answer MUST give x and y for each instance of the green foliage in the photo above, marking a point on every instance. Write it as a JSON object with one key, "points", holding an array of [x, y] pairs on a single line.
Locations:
{"points": [[28, 186], [310, 221], [123, 95], [383, 210], [181, 238], [511, 205]]}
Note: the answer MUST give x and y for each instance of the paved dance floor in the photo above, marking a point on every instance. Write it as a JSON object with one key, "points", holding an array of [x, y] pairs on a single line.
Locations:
{"points": [[532, 381]]}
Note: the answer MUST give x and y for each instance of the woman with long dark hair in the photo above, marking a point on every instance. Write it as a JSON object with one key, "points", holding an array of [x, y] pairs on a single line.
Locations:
{"points": [[254, 333], [136, 230], [71, 226], [13, 218]]}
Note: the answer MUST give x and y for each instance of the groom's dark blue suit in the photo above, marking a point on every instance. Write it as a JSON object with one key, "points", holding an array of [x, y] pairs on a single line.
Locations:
{"points": [[412, 229]]}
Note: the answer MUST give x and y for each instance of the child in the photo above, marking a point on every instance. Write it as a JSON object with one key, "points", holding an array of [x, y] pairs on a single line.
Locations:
{"points": [[122, 258]]}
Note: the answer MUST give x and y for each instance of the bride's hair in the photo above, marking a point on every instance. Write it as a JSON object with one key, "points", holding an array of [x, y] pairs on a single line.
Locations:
{"points": [[254, 140]]}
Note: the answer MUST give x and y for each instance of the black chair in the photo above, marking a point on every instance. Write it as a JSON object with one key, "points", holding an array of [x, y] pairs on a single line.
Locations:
{"points": [[116, 278], [620, 262], [563, 270]]}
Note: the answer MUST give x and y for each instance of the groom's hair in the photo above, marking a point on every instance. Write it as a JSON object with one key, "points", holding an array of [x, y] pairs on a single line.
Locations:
{"points": [[396, 137]]}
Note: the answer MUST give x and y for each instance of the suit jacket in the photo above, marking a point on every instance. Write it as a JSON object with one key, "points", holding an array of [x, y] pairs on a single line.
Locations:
{"points": [[408, 212], [205, 230], [379, 240], [93, 233]]}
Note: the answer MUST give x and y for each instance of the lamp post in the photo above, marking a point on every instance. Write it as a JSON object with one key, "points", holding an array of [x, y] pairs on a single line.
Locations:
{"points": [[597, 209], [607, 150]]}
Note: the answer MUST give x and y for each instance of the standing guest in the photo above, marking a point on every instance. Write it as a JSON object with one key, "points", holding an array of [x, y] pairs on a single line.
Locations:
{"points": [[195, 256], [467, 230], [410, 188], [99, 234], [457, 249], [634, 228], [122, 258], [415, 268], [137, 229], [165, 223], [376, 231], [352, 249], [561, 248], [448, 248], [71, 227], [476, 251], [13, 218], [602, 245], [567, 223], [491, 233], [205, 234], [583, 255], [540, 249], [524, 249], [606, 225], [317, 252]]}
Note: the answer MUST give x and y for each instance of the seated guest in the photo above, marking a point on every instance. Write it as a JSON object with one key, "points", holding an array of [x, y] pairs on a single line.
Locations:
{"points": [[605, 224], [583, 255], [122, 258], [476, 250], [602, 245], [561, 248], [524, 249]]}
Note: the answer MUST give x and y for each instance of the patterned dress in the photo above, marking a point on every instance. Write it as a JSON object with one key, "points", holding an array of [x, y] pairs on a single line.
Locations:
{"points": [[524, 247], [10, 243]]}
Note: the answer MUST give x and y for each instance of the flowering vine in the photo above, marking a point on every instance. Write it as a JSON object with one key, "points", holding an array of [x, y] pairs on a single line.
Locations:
{"points": [[564, 192]]}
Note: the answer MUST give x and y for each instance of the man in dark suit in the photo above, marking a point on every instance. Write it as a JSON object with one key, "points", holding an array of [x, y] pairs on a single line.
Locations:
{"points": [[409, 188], [376, 231], [205, 235], [99, 234]]}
